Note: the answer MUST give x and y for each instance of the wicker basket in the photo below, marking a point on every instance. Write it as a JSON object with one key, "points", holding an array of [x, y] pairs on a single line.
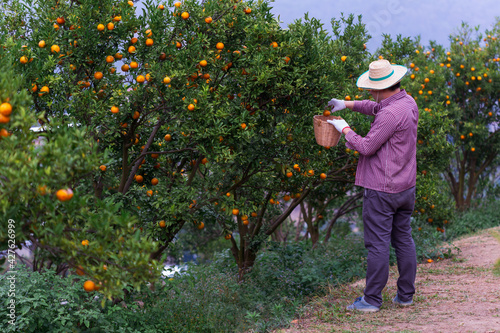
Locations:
{"points": [[326, 134]]}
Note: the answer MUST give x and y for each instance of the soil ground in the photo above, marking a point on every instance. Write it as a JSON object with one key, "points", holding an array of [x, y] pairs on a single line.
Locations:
{"points": [[461, 294]]}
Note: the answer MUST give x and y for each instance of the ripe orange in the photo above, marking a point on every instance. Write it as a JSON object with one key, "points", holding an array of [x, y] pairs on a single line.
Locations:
{"points": [[178, 45], [134, 64], [125, 68], [23, 60], [245, 222], [80, 271], [162, 224], [5, 109], [289, 174], [177, 4], [131, 49], [149, 42], [115, 109], [85, 242], [89, 286], [44, 90], [236, 211], [63, 195], [326, 113], [100, 27], [4, 133], [61, 20], [219, 46], [139, 179], [473, 149], [161, 7], [203, 63], [274, 44], [55, 49], [136, 115], [117, 18], [204, 161], [201, 225], [322, 176], [110, 26], [243, 126], [185, 15], [130, 3], [208, 20], [141, 79], [343, 58], [166, 80], [228, 236], [154, 181], [98, 75], [191, 107], [102, 167], [286, 198], [118, 56], [168, 137], [110, 59], [247, 10], [41, 44], [287, 59]]}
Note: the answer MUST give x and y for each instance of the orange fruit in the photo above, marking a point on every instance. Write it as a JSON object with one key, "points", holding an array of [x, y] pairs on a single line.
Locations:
{"points": [[131, 49], [289, 174], [247, 10], [236, 211], [322, 176], [287, 59], [204, 161], [274, 44], [154, 181], [110, 59], [185, 15], [100, 27], [41, 44], [245, 222], [5, 109], [326, 113], [201, 225], [115, 109], [23, 60], [243, 126], [162, 224], [55, 49], [63, 195], [343, 58], [110, 26], [286, 198], [130, 3], [98, 75], [4, 133], [168, 137], [134, 64], [149, 193], [44, 90], [228, 236], [61, 20], [134, 40], [149, 42], [141, 79], [191, 107], [178, 45], [117, 18], [136, 115], [208, 20], [125, 68], [219, 46], [80, 271], [85, 242], [155, 156], [89, 286], [166, 80], [139, 179], [203, 63], [102, 167], [177, 4], [161, 7]]}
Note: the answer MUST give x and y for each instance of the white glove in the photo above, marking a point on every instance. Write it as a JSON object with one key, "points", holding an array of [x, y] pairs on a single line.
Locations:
{"points": [[340, 124], [336, 104]]}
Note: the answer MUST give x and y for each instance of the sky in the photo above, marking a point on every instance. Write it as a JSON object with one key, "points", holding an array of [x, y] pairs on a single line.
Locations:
{"points": [[431, 19]]}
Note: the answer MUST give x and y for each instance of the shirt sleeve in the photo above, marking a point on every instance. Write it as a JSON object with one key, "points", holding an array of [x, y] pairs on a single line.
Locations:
{"points": [[365, 107], [382, 129]]}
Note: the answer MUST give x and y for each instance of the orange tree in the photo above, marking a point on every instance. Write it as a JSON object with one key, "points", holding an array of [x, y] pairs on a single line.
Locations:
{"points": [[461, 83], [192, 112]]}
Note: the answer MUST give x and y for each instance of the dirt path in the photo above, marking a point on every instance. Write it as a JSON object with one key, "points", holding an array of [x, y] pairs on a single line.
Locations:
{"points": [[461, 294]]}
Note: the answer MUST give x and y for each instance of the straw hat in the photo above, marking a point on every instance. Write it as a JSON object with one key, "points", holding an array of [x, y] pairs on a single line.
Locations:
{"points": [[381, 75]]}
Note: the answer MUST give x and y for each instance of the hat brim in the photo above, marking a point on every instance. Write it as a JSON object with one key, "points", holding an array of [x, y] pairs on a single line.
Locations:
{"points": [[397, 75]]}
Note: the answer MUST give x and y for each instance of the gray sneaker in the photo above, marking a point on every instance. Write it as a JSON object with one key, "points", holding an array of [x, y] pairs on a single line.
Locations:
{"points": [[397, 301], [361, 305]]}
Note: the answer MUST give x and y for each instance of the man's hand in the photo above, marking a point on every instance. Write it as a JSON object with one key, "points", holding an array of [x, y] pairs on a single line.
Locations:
{"points": [[336, 105], [340, 124]]}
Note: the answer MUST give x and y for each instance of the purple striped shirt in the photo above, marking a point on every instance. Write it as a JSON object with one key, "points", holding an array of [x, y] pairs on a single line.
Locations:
{"points": [[388, 153]]}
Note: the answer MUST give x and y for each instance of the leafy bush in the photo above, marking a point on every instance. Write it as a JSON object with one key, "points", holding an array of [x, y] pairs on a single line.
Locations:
{"points": [[484, 217]]}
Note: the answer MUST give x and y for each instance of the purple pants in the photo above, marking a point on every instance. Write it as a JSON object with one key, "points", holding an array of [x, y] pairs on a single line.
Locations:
{"points": [[386, 219]]}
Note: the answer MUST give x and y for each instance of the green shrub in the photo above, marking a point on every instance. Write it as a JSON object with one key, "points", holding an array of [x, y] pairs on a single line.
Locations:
{"points": [[473, 220]]}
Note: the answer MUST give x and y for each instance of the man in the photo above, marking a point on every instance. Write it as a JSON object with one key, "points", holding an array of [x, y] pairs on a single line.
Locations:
{"points": [[387, 170]]}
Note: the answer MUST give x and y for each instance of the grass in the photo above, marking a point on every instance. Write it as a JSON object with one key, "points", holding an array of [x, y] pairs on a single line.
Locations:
{"points": [[496, 267]]}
